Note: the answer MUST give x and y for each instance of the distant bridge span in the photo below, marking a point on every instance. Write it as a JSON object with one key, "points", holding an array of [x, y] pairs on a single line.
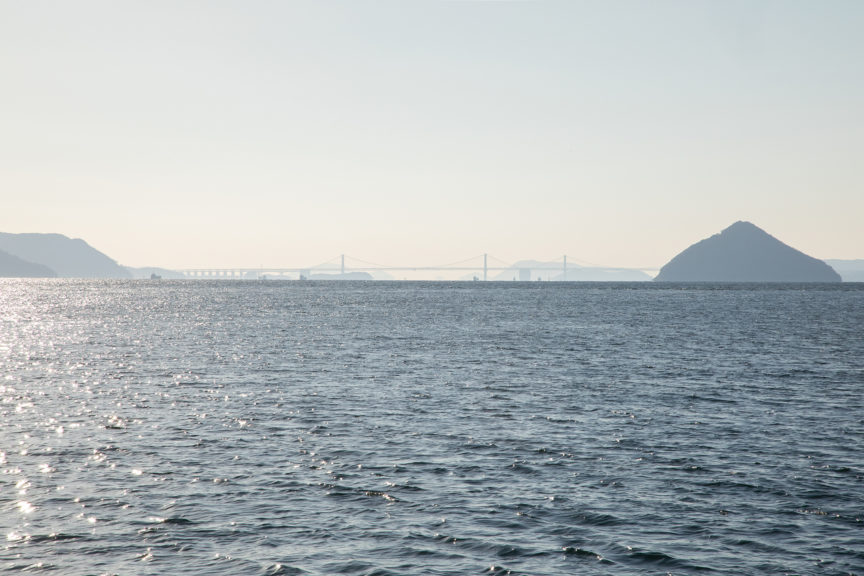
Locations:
{"points": [[332, 267]]}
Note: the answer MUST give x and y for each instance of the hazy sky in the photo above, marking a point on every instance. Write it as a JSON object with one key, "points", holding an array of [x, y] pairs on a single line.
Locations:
{"points": [[279, 133]]}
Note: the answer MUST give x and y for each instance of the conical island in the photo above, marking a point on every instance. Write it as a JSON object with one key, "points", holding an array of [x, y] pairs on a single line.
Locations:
{"points": [[744, 252]]}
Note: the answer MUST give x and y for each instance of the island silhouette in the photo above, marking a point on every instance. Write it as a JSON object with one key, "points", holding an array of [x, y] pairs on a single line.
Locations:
{"points": [[12, 266], [60, 255], [743, 252]]}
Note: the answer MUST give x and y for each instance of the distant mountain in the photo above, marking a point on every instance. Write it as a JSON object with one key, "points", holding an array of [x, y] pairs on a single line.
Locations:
{"points": [[849, 270], [14, 267], [595, 274], [522, 270], [744, 252], [69, 258], [554, 271]]}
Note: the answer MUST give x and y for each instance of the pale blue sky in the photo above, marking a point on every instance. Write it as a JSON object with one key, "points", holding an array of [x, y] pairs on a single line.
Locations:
{"points": [[282, 133]]}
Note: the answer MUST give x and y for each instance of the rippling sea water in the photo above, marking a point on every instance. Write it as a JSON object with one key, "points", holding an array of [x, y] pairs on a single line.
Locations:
{"points": [[430, 428]]}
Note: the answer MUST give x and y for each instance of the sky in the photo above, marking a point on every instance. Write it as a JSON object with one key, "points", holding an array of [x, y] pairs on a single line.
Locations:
{"points": [[192, 134]]}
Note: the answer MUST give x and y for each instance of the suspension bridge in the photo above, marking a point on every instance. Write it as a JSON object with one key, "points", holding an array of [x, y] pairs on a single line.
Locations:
{"points": [[480, 266]]}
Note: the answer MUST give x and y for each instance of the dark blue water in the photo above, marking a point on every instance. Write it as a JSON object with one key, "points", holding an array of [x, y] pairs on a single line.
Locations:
{"points": [[400, 428]]}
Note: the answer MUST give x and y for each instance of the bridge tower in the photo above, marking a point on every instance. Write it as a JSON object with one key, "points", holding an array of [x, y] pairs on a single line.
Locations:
{"points": [[342, 269], [485, 268], [565, 268]]}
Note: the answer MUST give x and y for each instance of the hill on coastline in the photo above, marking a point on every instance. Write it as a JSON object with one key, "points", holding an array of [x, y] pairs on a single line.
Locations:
{"points": [[740, 253], [744, 252], [13, 267], [67, 257], [849, 270]]}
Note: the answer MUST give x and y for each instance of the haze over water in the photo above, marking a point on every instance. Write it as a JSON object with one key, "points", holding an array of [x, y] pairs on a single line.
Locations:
{"points": [[407, 428]]}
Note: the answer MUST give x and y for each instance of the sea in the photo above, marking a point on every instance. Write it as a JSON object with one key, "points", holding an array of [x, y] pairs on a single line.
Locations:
{"points": [[401, 428]]}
